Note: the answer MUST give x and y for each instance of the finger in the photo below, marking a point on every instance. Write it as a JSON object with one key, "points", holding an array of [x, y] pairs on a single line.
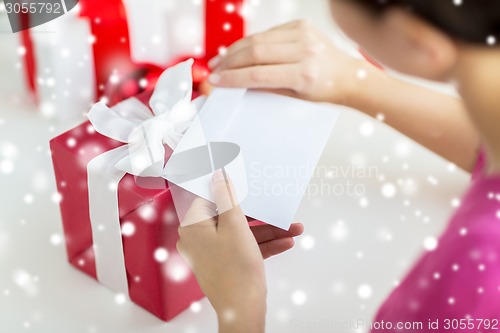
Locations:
{"points": [[225, 199], [270, 77], [277, 246], [201, 213], [265, 233], [207, 89], [267, 37], [295, 24], [263, 54], [182, 249], [284, 92]]}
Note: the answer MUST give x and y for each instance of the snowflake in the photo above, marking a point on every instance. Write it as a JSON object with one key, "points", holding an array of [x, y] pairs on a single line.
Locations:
{"points": [[365, 291], [65, 52], [339, 231], [147, 212], [389, 190], [432, 180], [25, 281], [338, 287], [28, 198], [451, 167], [120, 299], [229, 315], [363, 202], [430, 243], [366, 128], [299, 297], [176, 269], [307, 242], [160, 254], [361, 74], [402, 148], [195, 307], [7, 166], [55, 239], [90, 129], [491, 40], [56, 197], [114, 78], [409, 186], [143, 83], [21, 50], [71, 142], [169, 216], [128, 229], [385, 235], [230, 8]]}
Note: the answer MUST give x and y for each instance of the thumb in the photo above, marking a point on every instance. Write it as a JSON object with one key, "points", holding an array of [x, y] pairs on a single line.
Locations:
{"points": [[224, 196]]}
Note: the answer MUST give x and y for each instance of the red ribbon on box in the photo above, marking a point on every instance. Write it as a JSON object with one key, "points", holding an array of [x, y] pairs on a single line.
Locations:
{"points": [[28, 54], [111, 45], [224, 25]]}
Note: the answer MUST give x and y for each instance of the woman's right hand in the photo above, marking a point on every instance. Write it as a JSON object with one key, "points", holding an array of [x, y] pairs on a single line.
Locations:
{"points": [[293, 59]]}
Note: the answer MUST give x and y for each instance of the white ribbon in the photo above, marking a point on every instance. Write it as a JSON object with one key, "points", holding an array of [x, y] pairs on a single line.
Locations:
{"points": [[145, 134]]}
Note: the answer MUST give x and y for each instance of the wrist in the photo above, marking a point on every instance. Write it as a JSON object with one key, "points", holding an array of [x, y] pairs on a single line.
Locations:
{"points": [[244, 314], [244, 318], [364, 86]]}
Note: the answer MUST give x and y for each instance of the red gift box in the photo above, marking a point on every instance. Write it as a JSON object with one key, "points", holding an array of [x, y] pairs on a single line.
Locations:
{"points": [[162, 287]]}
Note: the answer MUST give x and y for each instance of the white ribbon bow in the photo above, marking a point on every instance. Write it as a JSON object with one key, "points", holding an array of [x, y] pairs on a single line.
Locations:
{"points": [[145, 133]]}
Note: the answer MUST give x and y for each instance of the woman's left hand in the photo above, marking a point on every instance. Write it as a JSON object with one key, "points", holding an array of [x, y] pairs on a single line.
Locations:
{"points": [[227, 256]]}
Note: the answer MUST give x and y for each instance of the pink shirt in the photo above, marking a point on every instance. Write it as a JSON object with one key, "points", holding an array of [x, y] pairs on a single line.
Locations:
{"points": [[460, 279]]}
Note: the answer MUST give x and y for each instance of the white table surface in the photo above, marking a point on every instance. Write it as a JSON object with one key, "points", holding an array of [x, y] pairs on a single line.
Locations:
{"points": [[350, 241]]}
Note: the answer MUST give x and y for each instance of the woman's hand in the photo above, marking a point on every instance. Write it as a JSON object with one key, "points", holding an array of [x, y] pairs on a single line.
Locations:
{"points": [[294, 59], [227, 258]]}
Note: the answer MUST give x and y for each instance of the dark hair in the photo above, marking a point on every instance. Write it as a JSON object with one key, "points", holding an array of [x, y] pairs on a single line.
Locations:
{"points": [[476, 21]]}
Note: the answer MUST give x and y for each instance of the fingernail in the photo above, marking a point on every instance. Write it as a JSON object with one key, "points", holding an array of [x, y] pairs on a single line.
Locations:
{"points": [[214, 78], [218, 176], [214, 62]]}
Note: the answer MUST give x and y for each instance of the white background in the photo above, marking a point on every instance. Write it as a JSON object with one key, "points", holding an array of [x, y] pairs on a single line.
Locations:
{"points": [[313, 288]]}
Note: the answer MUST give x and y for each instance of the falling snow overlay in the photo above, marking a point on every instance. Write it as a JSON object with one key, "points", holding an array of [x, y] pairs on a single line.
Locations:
{"points": [[356, 249]]}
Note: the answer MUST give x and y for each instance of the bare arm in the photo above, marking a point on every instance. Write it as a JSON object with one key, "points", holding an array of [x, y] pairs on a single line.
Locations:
{"points": [[436, 121]]}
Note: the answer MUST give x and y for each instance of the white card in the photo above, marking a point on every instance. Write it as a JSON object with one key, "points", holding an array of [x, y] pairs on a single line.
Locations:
{"points": [[280, 142]]}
